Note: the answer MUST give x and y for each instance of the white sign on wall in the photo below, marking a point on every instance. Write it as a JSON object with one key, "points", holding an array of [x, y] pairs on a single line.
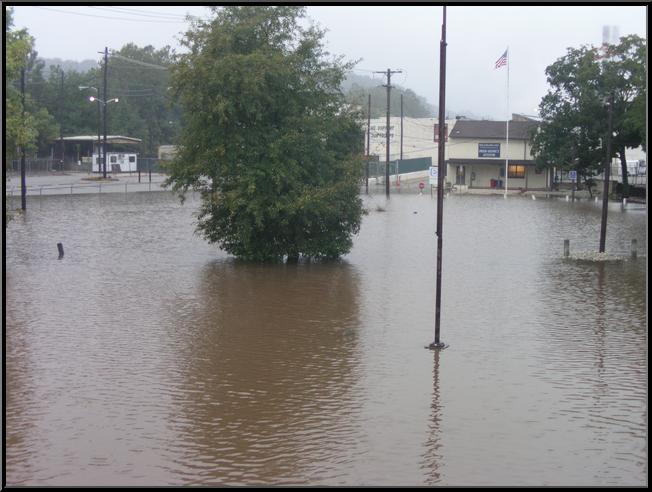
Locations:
{"points": [[434, 175]]}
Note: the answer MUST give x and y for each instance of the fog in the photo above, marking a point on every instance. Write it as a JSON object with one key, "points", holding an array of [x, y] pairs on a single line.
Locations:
{"points": [[398, 37]]}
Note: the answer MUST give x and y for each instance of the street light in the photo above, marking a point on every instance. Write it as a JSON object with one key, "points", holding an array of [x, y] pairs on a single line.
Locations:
{"points": [[99, 124], [103, 103]]}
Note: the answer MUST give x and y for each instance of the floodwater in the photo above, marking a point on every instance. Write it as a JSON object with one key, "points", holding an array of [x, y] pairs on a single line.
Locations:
{"points": [[147, 356]]}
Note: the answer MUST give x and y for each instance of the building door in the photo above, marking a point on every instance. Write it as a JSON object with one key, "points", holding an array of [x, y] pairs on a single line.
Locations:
{"points": [[460, 176]]}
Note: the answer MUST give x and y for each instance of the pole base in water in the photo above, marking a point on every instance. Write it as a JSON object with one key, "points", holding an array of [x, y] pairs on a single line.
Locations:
{"points": [[437, 346]]}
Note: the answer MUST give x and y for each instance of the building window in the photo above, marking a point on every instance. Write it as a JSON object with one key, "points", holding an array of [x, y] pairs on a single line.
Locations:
{"points": [[516, 171], [114, 159], [132, 158]]}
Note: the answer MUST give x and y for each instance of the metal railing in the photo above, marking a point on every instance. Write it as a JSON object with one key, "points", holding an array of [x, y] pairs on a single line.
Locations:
{"points": [[86, 188]]}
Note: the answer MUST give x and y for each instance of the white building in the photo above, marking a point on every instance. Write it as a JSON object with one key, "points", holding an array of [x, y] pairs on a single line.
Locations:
{"points": [[418, 138], [474, 152], [477, 152]]}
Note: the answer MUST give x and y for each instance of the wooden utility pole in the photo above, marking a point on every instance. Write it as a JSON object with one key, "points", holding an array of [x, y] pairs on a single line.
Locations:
{"points": [[389, 88], [366, 182], [106, 63], [23, 187], [607, 175], [401, 158], [61, 122], [437, 344]]}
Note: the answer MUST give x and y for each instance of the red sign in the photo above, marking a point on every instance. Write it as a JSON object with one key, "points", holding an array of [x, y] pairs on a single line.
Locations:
{"points": [[421, 186]]}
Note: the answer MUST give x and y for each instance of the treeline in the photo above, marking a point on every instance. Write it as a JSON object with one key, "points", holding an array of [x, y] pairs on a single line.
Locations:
{"points": [[414, 106], [57, 100]]}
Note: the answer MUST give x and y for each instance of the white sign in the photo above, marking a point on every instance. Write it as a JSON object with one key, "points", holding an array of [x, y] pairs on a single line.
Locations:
{"points": [[572, 175], [434, 175]]}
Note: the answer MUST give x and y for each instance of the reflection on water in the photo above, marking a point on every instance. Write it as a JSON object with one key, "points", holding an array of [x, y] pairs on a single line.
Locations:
{"points": [[148, 357], [432, 454], [270, 362]]}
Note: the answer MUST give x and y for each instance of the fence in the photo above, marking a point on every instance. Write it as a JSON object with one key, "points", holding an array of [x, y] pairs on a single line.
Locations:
{"points": [[377, 168], [47, 165], [87, 188]]}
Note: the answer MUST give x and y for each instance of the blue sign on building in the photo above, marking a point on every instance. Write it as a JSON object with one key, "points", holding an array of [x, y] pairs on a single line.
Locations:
{"points": [[488, 150]]}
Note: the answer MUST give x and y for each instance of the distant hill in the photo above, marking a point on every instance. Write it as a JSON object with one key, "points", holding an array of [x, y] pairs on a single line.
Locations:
{"points": [[357, 88], [69, 65]]}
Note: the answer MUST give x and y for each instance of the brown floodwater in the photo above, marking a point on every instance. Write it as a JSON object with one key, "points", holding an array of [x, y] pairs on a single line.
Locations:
{"points": [[146, 356]]}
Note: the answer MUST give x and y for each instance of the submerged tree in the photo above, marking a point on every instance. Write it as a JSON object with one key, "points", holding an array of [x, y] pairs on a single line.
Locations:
{"points": [[268, 139]]}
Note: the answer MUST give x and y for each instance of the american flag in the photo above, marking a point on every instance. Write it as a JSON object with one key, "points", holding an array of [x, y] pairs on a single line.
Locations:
{"points": [[502, 60]]}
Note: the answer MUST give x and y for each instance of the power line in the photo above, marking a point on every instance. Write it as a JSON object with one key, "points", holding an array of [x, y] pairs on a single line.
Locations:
{"points": [[152, 15], [107, 17], [137, 62]]}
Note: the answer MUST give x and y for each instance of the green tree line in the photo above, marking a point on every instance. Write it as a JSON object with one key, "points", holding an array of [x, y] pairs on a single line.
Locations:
{"points": [[140, 78], [55, 105]]}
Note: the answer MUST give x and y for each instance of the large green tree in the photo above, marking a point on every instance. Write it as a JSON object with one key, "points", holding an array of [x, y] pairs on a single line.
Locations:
{"points": [[575, 110], [269, 140], [20, 125]]}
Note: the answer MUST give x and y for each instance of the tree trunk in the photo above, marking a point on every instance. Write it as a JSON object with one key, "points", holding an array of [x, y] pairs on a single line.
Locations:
{"points": [[293, 258], [623, 166]]}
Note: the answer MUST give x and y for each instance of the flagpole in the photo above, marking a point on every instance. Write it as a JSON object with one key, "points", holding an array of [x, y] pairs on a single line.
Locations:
{"points": [[507, 131]]}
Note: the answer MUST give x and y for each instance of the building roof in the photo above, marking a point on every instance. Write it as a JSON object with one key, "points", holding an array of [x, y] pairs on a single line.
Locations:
{"points": [[490, 162], [483, 129], [114, 139]]}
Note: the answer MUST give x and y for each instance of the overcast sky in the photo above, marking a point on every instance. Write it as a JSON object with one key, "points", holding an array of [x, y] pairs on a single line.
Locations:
{"points": [[396, 37]]}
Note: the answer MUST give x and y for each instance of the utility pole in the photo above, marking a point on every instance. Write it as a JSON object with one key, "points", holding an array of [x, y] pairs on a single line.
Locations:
{"points": [[366, 182], [99, 129], [389, 88], [61, 121], [106, 63], [401, 158], [437, 344], [607, 173], [23, 187]]}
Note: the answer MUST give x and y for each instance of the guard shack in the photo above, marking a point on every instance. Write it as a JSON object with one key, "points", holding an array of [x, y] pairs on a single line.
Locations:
{"points": [[122, 155]]}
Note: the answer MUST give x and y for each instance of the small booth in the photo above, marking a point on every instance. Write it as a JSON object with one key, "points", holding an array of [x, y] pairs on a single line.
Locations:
{"points": [[120, 156], [118, 162]]}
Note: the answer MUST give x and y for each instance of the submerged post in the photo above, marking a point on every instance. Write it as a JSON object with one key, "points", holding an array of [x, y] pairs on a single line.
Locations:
{"points": [[437, 344], [634, 248], [60, 248], [566, 248]]}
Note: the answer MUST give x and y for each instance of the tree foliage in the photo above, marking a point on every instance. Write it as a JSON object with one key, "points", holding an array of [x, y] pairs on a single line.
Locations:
{"points": [[20, 123], [137, 76], [268, 140], [575, 110]]}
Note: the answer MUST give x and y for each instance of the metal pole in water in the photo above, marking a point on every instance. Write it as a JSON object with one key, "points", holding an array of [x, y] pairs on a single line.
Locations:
{"points": [[566, 248], [607, 170], [60, 248], [437, 344], [366, 182], [634, 248]]}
